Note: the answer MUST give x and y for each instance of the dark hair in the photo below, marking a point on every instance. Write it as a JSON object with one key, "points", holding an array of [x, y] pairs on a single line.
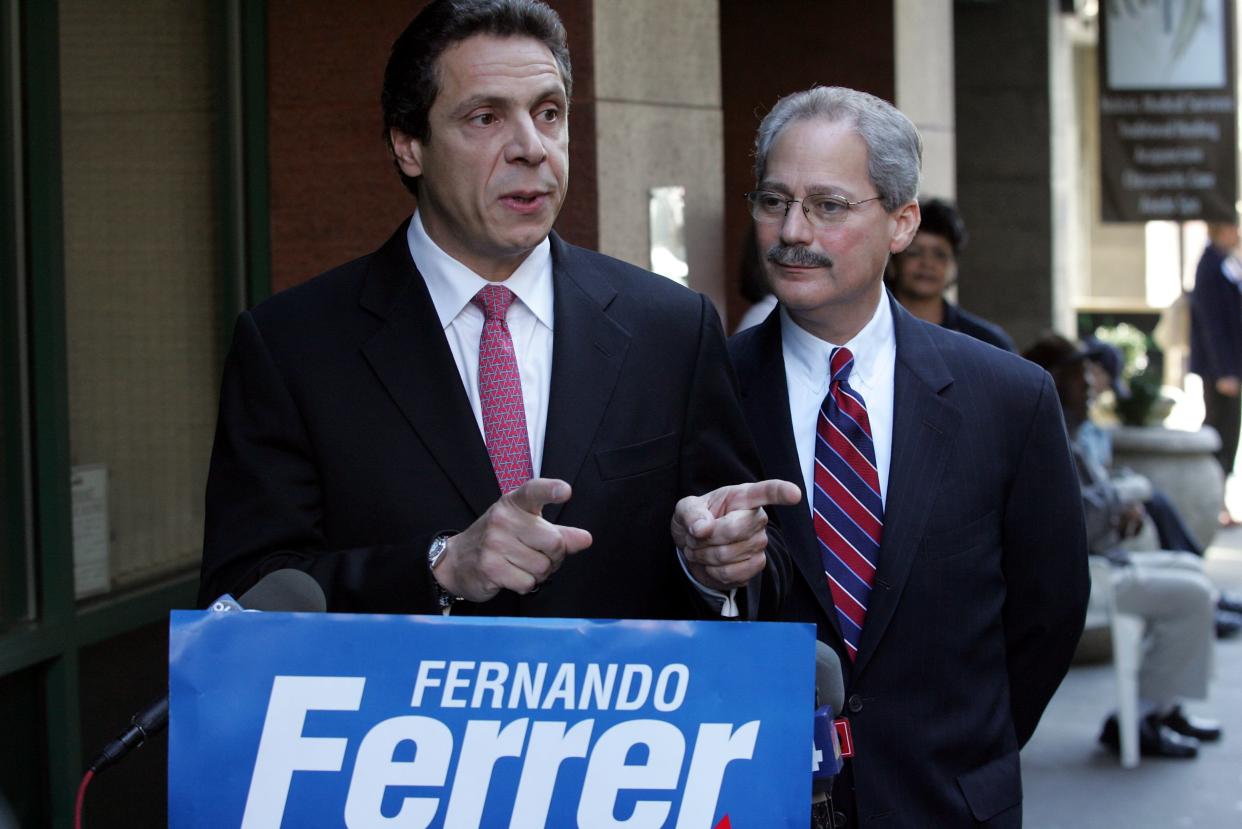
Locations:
{"points": [[412, 80], [1052, 351], [942, 219]]}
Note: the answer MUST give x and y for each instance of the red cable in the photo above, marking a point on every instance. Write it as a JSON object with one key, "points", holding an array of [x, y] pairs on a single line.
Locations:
{"points": [[77, 809]]}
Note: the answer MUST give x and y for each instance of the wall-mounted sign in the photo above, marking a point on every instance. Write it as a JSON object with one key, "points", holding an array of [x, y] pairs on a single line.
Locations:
{"points": [[1168, 120], [88, 485]]}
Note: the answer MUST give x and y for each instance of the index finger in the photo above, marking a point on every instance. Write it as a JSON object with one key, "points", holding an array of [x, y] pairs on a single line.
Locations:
{"points": [[533, 495], [772, 492]]}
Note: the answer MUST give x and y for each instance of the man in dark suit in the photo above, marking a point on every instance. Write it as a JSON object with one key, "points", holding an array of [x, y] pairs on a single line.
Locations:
{"points": [[1216, 339], [479, 416], [943, 554]]}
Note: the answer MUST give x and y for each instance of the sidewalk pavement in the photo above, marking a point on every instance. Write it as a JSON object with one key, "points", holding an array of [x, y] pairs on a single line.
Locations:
{"points": [[1070, 782]]}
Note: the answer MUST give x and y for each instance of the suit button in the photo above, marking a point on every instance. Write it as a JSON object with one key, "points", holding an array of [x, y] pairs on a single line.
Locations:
{"points": [[838, 820], [855, 703]]}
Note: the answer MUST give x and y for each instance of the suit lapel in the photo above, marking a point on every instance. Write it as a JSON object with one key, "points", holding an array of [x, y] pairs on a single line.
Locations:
{"points": [[411, 358], [588, 349], [924, 428], [765, 399]]}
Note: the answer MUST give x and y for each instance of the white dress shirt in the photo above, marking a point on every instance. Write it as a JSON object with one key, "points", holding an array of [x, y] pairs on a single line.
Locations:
{"points": [[452, 285], [807, 375]]}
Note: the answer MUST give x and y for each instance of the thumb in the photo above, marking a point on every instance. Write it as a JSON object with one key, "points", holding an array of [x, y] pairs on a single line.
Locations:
{"points": [[693, 514], [535, 493]]}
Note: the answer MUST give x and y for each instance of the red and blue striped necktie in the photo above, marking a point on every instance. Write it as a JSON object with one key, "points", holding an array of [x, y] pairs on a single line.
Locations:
{"points": [[849, 513]]}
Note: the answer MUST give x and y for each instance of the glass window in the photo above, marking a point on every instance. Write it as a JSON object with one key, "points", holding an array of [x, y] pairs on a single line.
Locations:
{"points": [[139, 132]]}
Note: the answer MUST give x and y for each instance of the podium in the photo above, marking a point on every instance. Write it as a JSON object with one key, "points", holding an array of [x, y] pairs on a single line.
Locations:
{"points": [[335, 720]]}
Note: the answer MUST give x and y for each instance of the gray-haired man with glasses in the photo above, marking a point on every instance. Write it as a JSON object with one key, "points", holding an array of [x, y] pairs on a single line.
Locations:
{"points": [[940, 547]]}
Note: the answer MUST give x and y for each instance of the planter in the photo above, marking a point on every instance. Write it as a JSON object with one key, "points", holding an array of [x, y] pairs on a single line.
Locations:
{"points": [[1182, 464]]}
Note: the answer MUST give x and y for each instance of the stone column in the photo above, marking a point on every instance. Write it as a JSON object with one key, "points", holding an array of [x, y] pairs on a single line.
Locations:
{"points": [[1004, 163], [659, 123], [923, 33]]}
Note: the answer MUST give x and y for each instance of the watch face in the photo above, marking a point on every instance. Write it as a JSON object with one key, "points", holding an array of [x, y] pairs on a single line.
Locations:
{"points": [[434, 553], [436, 549]]}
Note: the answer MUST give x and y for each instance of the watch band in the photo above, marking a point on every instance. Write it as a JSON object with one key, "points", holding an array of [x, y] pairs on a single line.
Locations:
{"points": [[435, 553]]}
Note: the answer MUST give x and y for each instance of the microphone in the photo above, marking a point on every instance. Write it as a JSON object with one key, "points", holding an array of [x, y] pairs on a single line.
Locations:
{"points": [[826, 761], [829, 684], [288, 590]]}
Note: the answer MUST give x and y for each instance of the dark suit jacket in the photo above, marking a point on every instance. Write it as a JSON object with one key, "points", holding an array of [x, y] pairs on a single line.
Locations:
{"points": [[346, 441], [981, 586], [957, 319], [1215, 320]]}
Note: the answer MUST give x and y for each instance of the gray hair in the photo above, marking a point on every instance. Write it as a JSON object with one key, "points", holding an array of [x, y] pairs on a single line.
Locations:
{"points": [[894, 148]]}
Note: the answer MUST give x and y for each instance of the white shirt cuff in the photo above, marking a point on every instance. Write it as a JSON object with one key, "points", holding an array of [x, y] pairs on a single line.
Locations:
{"points": [[724, 603]]}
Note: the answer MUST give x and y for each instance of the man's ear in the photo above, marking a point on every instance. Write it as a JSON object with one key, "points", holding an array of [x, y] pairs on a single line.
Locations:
{"points": [[906, 220], [408, 152]]}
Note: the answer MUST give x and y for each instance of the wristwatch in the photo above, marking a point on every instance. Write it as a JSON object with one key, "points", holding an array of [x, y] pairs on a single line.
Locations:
{"points": [[434, 553]]}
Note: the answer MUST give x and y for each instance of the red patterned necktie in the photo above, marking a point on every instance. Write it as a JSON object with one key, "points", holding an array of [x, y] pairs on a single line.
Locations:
{"points": [[849, 514], [500, 392]]}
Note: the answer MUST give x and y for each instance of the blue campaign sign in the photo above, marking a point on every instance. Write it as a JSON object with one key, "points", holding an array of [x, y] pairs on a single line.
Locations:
{"points": [[310, 720]]}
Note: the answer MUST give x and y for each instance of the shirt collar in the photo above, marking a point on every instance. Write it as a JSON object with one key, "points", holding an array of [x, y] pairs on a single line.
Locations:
{"points": [[452, 285], [810, 355]]}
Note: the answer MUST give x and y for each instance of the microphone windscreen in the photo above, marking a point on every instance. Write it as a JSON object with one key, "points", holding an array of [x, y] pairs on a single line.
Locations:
{"points": [[288, 590], [829, 684]]}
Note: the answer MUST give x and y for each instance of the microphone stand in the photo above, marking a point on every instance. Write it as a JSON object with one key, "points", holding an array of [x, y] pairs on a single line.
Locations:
{"points": [[821, 811]]}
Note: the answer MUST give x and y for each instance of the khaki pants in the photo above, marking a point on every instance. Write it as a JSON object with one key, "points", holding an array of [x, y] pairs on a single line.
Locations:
{"points": [[1170, 592]]}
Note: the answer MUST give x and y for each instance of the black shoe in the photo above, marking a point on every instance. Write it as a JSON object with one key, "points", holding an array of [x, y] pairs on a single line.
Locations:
{"points": [[1155, 740], [1230, 601], [1201, 728], [1227, 623]]}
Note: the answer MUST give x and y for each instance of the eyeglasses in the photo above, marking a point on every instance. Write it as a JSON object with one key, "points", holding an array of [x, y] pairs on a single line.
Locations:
{"points": [[820, 209]]}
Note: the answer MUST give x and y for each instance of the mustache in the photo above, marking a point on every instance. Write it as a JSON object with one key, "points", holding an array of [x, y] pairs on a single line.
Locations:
{"points": [[797, 256]]}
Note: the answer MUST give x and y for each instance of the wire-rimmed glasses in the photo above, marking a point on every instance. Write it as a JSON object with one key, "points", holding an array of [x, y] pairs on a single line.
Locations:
{"points": [[820, 209]]}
